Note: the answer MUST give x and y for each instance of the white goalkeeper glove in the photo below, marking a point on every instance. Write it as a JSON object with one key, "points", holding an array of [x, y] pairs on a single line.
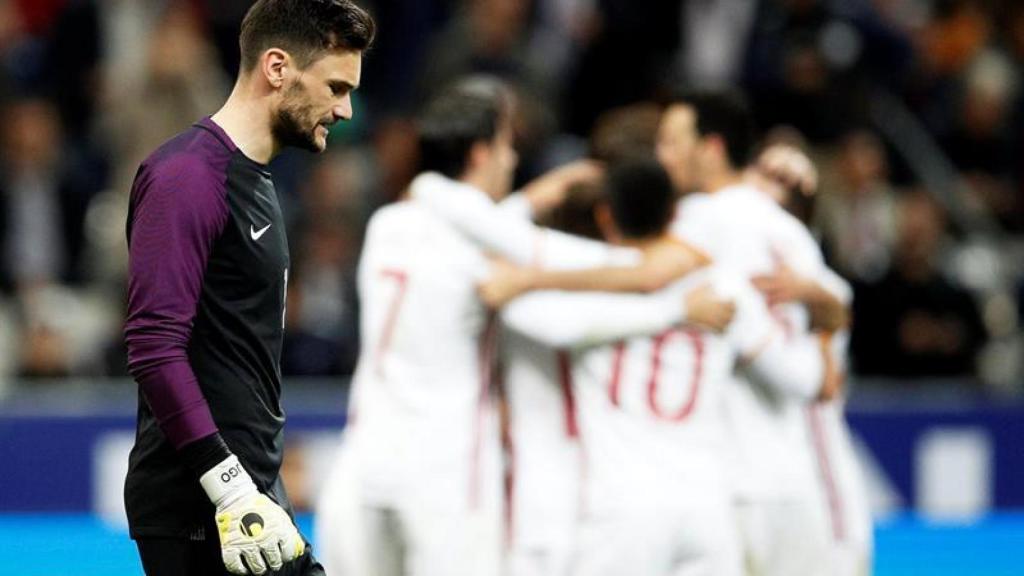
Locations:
{"points": [[251, 526]]}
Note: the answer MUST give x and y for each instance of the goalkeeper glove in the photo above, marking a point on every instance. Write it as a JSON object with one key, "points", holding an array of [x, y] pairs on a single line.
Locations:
{"points": [[251, 526]]}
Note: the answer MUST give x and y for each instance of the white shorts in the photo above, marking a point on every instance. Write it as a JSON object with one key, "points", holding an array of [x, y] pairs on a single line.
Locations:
{"points": [[850, 542], [841, 492], [418, 537], [543, 513], [541, 542], [784, 538], [698, 539], [851, 558]]}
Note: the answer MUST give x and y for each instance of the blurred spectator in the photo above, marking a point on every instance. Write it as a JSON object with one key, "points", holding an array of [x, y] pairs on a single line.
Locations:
{"points": [[43, 204], [180, 84], [322, 323], [982, 141], [714, 41], [10, 34], [322, 316], [810, 64], [484, 37], [73, 65], [498, 38], [389, 81], [957, 31], [1013, 30], [180, 80], [627, 57], [42, 201], [856, 209], [225, 23], [914, 322], [43, 346], [396, 152], [946, 44]]}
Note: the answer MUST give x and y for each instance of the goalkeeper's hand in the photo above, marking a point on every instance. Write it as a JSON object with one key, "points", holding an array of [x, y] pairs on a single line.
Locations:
{"points": [[251, 526]]}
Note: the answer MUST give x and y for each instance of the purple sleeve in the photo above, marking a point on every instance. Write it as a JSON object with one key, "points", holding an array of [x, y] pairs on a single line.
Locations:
{"points": [[178, 209]]}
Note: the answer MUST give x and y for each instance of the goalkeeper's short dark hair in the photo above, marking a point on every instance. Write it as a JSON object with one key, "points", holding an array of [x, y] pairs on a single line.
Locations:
{"points": [[305, 28], [640, 196]]}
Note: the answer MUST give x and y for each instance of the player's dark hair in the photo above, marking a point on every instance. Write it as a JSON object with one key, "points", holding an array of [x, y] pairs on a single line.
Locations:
{"points": [[625, 131], [726, 114], [304, 28], [468, 112], [640, 196], [575, 215]]}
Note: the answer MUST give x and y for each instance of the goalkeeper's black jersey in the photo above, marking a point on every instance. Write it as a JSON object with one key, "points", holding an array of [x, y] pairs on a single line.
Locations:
{"points": [[208, 271]]}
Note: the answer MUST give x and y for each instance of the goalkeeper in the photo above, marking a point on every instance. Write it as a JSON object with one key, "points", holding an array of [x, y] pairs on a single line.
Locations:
{"points": [[208, 273]]}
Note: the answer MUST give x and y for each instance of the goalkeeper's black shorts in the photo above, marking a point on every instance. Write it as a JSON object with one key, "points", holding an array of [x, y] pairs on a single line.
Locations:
{"points": [[181, 557]]}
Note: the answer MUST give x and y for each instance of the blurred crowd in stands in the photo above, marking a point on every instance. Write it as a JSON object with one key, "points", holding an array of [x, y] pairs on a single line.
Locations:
{"points": [[912, 110]]}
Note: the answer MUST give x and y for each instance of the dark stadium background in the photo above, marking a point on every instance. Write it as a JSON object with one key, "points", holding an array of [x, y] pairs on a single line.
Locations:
{"points": [[913, 110]]}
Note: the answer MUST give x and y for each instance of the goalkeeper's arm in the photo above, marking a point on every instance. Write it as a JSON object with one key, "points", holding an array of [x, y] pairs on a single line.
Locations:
{"points": [[255, 533], [169, 245]]}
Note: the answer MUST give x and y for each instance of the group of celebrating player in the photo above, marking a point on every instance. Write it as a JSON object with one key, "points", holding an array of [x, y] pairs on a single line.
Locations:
{"points": [[662, 398]]}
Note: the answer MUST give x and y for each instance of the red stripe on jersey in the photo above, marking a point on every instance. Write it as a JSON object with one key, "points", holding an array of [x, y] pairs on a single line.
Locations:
{"points": [[485, 359], [509, 451], [615, 384], [510, 492], [572, 428], [818, 440], [401, 279]]}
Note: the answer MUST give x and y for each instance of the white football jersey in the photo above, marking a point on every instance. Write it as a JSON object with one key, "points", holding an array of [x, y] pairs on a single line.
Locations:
{"points": [[841, 482], [423, 437], [504, 229], [543, 465], [422, 419], [646, 399], [743, 228]]}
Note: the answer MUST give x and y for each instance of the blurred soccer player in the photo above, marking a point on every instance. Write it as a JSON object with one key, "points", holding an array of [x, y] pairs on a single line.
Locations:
{"points": [[208, 271], [543, 451], [842, 492], [544, 464], [655, 500], [416, 487], [705, 142], [417, 483]]}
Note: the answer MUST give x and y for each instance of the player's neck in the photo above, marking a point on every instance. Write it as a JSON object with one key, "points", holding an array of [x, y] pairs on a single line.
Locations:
{"points": [[722, 180], [245, 118], [646, 243], [478, 179], [694, 257]]}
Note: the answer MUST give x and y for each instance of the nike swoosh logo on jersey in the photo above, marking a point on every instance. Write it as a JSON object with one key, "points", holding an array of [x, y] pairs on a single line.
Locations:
{"points": [[257, 233]]}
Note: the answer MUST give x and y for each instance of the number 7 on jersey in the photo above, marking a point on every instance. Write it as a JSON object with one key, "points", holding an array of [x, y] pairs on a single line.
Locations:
{"points": [[401, 280]]}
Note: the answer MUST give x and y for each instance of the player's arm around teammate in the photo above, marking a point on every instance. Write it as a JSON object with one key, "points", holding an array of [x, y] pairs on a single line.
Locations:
{"points": [[612, 269], [790, 178]]}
